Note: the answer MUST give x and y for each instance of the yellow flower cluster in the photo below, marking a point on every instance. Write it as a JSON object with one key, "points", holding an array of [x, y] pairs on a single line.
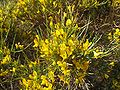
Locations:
{"points": [[84, 47], [82, 67], [34, 82], [13, 69], [43, 2], [51, 76], [46, 83], [65, 72], [64, 69], [97, 54], [6, 59], [30, 84], [3, 73], [36, 41], [45, 47], [58, 43], [19, 46], [31, 64], [68, 22], [33, 76], [115, 36], [21, 2], [64, 79], [58, 49]]}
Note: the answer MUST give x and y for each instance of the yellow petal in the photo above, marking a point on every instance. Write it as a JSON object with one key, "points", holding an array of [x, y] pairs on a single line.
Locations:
{"points": [[68, 22]]}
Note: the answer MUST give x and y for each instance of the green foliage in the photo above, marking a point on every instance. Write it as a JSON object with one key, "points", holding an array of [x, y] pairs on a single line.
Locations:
{"points": [[49, 44]]}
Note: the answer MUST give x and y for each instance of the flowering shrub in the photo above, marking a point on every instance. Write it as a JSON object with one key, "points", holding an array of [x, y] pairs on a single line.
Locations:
{"points": [[65, 56], [44, 47]]}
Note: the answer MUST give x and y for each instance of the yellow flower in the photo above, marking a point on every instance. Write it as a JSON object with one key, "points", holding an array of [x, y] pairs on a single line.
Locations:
{"points": [[63, 49], [43, 8], [29, 82], [96, 54], [109, 36], [18, 45], [77, 81], [51, 75], [38, 11], [14, 69], [25, 9], [30, 65], [68, 22], [4, 73], [54, 63], [69, 8], [46, 41], [57, 33], [22, 66], [61, 31], [21, 46], [45, 49], [33, 63], [70, 42], [57, 26], [117, 35], [66, 72], [42, 1], [64, 79], [45, 82], [63, 66], [37, 37], [63, 54], [65, 14], [86, 45], [36, 41], [112, 64], [34, 74], [6, 59], [51, 23], [63, 46], [59, 63], [25, 83], [50, 86], [61, 77], [22, 2], [30, 76], [43, 77]]}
